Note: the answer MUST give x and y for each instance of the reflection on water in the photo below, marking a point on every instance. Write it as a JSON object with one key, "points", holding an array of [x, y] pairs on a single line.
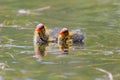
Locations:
{"points": [[64, 48], [40, 50], [80, 45]]}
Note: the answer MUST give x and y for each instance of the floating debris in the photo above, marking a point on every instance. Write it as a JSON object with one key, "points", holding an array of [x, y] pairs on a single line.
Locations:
{"points": [[23, 12], [110, 76], [43, 8], [1, 25], [3, 66], [11, 56], [34, 12]]}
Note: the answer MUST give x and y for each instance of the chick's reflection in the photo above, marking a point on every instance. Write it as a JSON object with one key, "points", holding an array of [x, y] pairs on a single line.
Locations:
{"points": [[40, 50], [64, 48]]}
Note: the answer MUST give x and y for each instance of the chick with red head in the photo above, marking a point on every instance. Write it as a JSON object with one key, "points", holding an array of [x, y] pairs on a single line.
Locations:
{"points": [[64, 36], [40, 34]]}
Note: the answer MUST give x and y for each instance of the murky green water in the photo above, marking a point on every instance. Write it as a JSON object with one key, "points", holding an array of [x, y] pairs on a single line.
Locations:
{"points": [[98, 60]]}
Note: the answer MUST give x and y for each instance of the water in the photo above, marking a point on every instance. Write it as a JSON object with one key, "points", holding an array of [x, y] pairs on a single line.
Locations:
{"points": [[97, 59]]}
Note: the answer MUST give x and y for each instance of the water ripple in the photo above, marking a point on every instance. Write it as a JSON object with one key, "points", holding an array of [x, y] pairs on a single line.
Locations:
{"points": [[1, 78], [10, 45], [9, 69], [108, 53], [24, 52], [48, 63]]}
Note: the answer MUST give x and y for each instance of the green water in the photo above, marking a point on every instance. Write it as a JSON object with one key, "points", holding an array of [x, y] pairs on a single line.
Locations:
{"points": [[98, 60]]}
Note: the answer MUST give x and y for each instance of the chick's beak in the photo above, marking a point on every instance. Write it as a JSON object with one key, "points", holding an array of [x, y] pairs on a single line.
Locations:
{"points": [[61, 33]]}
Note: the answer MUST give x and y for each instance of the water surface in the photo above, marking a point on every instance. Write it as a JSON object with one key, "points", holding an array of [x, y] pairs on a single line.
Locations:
{"points": [[98, 59]]}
